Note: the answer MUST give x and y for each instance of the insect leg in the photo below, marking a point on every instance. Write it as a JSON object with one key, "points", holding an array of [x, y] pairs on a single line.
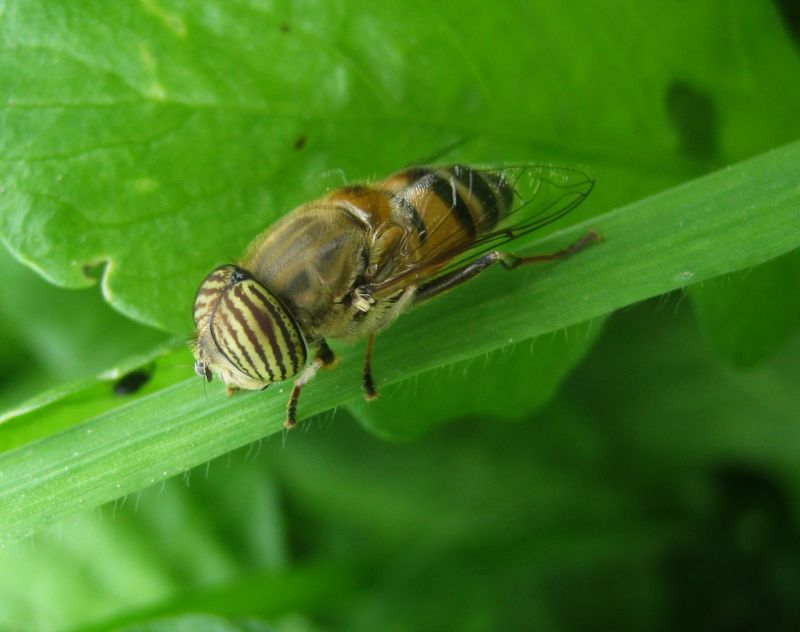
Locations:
{"points": [[323, 358], [512, 261], [432, 158], [325, 354], [369, 386], [457, 277]]}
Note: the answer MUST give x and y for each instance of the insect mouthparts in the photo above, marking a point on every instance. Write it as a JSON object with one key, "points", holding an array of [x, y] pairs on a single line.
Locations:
{"points": [[202, 370]]}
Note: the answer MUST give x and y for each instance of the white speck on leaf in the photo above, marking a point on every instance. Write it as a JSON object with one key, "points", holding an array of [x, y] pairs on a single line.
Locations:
{"points": [[145, 185]]}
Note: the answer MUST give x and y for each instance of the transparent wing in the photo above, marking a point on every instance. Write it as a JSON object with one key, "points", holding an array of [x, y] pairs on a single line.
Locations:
{"points": [[541, 196]]}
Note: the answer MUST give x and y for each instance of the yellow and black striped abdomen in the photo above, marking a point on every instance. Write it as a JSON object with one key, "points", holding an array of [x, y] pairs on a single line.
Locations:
{"points": [[248, 326], [449, 206]]}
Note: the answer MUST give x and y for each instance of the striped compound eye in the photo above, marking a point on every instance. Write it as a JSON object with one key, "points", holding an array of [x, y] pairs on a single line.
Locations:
{"points": [[249, 326]]}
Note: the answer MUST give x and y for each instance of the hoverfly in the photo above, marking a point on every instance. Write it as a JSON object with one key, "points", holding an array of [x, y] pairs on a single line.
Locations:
{"points": [[345, 265]]}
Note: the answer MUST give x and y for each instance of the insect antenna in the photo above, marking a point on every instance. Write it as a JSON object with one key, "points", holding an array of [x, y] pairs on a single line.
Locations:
{"points": [[440, 153]]}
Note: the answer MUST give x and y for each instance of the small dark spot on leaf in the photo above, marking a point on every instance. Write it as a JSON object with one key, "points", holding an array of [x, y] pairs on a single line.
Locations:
{"points": [[285, 28], [790, 14], [695, 118], [131, 382], [300, 142], [94, 270]]}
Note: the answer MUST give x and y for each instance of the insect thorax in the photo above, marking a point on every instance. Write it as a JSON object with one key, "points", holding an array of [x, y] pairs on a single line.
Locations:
{"points": [[311, 260]]}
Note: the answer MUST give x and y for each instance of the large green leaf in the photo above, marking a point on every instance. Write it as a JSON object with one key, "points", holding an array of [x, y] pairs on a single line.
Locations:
{"points": [[730, 220], [155, 140]]}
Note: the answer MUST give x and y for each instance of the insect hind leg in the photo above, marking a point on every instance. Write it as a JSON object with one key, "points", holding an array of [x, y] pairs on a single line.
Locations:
{"points": [[509, 261]]}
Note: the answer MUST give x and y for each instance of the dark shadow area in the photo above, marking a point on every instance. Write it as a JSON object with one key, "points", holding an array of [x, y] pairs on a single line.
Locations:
{"points": [[790, 14], [695, 119]]}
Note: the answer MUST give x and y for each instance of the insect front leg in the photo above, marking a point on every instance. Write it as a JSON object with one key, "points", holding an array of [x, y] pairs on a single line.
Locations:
{"points": [[324, 358], [474, 268], [400, 302], [326, 354], [369, 386]]}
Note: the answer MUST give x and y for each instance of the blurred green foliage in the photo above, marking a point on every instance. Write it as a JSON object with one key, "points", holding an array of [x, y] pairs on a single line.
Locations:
{"points": [[656, 488]]}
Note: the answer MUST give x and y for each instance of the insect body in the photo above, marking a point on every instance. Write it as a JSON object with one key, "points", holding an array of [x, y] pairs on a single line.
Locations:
{"points": [[345, 265]]}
